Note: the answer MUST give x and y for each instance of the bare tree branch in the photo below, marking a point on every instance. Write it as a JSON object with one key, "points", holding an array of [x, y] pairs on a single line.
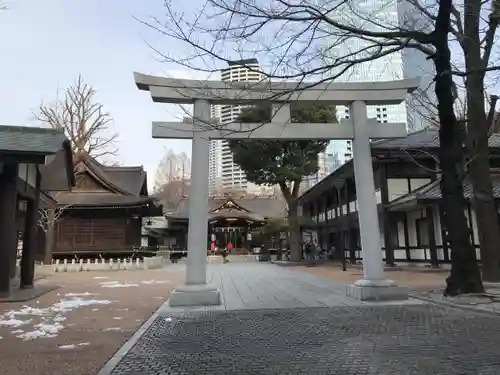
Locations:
{"points": [[83, 119]]}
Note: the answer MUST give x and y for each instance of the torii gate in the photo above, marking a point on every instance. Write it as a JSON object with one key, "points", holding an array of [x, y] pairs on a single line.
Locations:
{"points": [[202, 94]]}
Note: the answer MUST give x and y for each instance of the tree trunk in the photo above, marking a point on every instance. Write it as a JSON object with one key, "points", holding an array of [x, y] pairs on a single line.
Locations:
{"points": [[294, 227], [464, 276], [50, 237], [483, 202], [477, 146]]}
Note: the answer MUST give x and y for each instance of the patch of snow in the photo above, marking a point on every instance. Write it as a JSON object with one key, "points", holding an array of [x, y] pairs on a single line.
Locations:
{"points": [[17, 331], [42, 331], [66, 305], [168, 319], [80, 294], [95, 309], [125, 309], [1, 337], [153, 282], [116, 284], [101, 277], [112, 329], [27, 310], [50, 317], [158, 297], [73, 346], [14, 322], [117, 318]]}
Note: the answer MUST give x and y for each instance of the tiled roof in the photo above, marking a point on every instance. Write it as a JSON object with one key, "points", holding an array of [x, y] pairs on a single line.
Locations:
{"points": [[432, 191], [124, 185], [100, 199], [30, 139], [260, 206], [425, 138], [129, 180]]}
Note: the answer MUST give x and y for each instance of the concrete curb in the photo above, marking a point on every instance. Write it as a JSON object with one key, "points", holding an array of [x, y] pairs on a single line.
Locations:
{"points": [[452, 305], [110, 365]]}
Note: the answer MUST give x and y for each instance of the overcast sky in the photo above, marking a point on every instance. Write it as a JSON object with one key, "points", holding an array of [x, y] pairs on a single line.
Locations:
{"points": [[44, 45]]}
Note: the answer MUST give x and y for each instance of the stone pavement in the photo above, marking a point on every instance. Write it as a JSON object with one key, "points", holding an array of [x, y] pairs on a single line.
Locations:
{"points": [[277, 321]]}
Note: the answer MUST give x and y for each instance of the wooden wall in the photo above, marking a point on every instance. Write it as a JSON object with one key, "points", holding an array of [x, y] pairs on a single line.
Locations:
{"points": [[97, 234]]}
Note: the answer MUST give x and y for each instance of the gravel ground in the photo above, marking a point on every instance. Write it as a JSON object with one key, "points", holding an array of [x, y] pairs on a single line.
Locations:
{"points": [[370, 340], [101, 311], [413, 280]]}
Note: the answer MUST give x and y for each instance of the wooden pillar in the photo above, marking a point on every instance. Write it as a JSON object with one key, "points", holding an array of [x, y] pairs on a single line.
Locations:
{"points": [[384, 195], [429, 214], [352, 249], [407, 236], [444, 237], [340, 218], [8, 225], [30, 239]]}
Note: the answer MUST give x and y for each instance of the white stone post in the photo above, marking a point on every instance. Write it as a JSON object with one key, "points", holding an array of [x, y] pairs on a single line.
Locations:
{"points": [[374, 285], [196, 292], [198, 199]]}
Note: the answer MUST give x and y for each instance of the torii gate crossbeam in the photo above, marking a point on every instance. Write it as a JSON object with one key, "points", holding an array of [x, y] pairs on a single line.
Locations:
{"points": [[202, 94]]}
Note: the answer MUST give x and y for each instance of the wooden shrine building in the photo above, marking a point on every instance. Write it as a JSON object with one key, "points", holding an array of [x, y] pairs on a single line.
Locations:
{"points": [[24, 152], [408, 197], [103, 214], [230, 220]]}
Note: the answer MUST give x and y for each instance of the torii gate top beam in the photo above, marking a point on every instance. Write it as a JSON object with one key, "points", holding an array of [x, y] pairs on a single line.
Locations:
{"points": [[185, 91]]}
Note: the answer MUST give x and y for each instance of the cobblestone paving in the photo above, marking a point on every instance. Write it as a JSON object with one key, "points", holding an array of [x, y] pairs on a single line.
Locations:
{"points": [[390, 340]]}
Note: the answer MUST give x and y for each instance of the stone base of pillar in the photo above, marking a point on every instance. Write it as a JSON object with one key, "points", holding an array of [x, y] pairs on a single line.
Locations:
{"points": [[378, 290], [195, 295]]}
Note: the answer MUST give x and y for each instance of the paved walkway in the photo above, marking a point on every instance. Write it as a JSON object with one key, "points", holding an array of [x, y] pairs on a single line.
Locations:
{"points": [[252, 286], [279, 321]]}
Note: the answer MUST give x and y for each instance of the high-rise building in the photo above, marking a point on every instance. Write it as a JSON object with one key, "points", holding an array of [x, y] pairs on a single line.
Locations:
{"points": [[224, 174], [407, 63]]}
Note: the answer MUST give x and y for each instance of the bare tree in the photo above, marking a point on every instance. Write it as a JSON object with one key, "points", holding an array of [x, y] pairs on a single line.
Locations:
{"points": [[172, 193], [83, 119], [172, 176]]}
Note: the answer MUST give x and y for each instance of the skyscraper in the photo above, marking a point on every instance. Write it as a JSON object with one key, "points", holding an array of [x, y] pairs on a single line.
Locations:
{"points": [[224, 174], [407, 63]]}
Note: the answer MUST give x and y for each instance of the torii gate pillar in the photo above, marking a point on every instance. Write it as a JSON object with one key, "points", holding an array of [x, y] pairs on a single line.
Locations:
{"points": [[196, 291]]}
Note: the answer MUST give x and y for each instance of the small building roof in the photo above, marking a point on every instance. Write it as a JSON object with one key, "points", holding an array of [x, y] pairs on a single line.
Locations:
{"points": [[27, 139], [425, 139], [432, 192], [122, 186], [249, 207]]}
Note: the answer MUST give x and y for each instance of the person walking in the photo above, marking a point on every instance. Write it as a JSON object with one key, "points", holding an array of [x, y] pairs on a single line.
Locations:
{"points": [[223, 254]]}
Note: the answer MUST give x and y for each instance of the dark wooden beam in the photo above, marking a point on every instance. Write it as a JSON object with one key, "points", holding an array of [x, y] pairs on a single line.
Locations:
{"points": [[407, 236], [8, 228], [30, 239], [429, 215], [22, 157]]}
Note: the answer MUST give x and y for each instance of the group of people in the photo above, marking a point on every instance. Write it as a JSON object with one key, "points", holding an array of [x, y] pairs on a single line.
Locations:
{"points": [[312, 251], [222, 251]]}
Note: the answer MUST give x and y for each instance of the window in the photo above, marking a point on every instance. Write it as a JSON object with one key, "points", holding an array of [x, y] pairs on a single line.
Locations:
{"points": [[422, 232]]}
